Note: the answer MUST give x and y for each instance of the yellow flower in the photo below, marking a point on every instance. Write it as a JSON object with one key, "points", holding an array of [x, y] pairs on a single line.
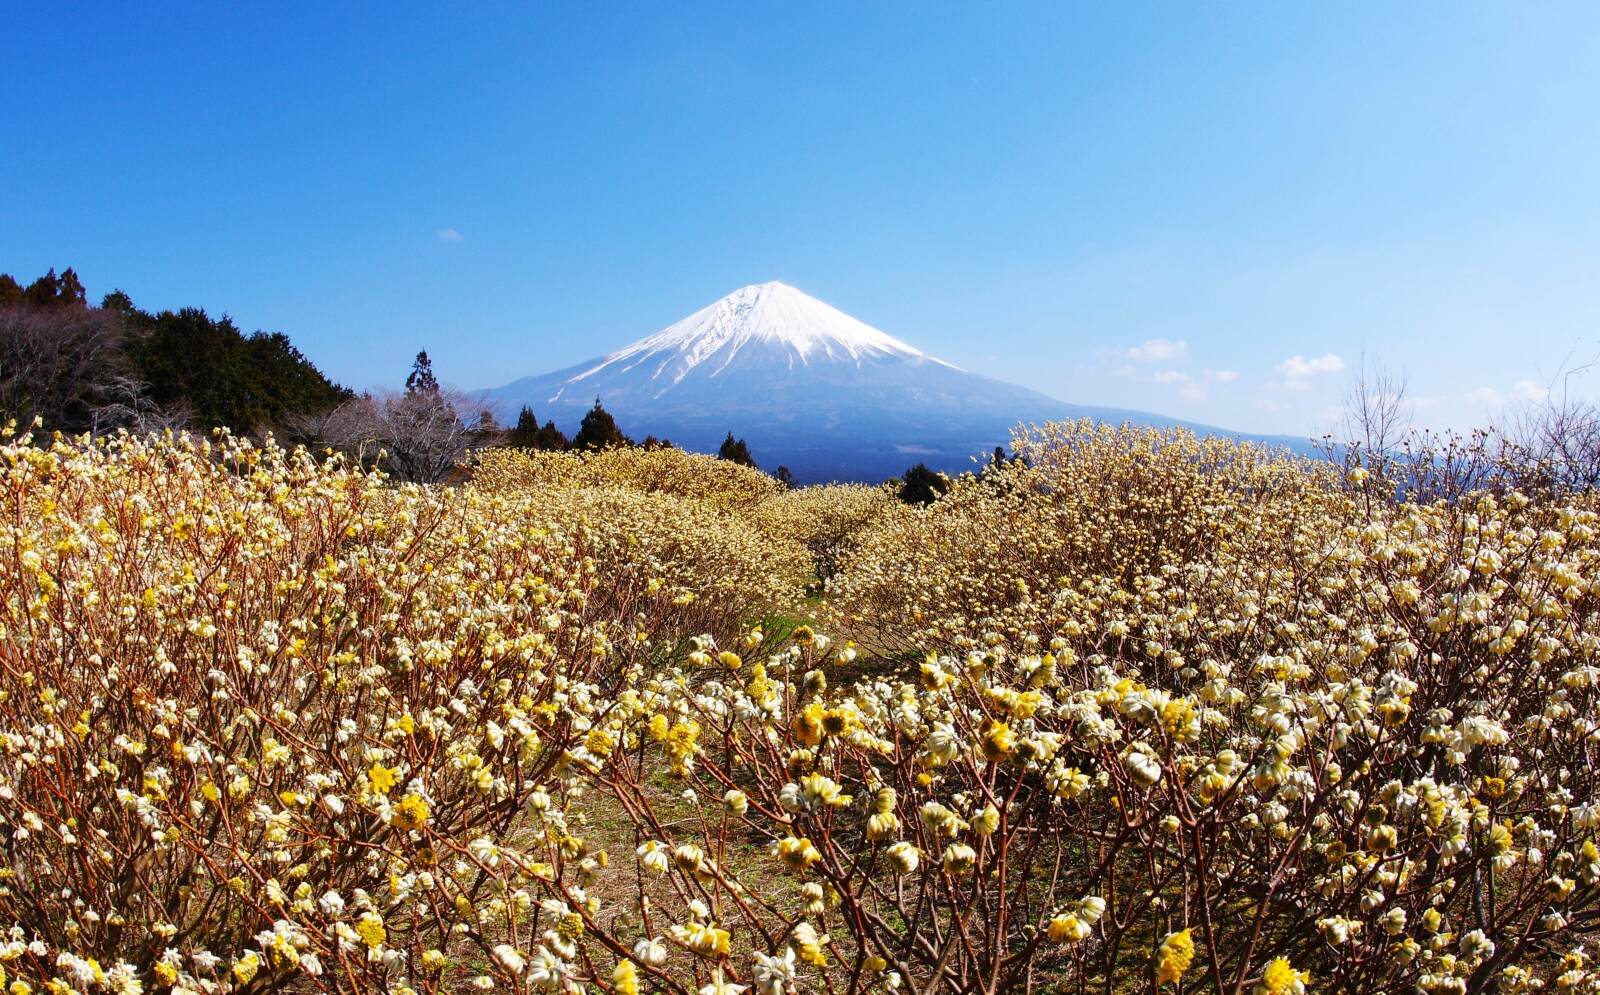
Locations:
{"points": [[998, 742], [797, 853], [381, 778], [837, 721], [1280, 978], [410, 813], [370, 928], [625, 978], [808, 724], [1174, 956], [1067, 928], [245, 968], [707, 941]]}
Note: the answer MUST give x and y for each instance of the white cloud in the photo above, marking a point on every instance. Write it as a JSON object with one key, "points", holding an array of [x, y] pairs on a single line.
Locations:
{"points": [[1530, 390], [1189, 385], [1298, 367], [1158, 351], [1268, 404], [1522, 390], [449, 235]]}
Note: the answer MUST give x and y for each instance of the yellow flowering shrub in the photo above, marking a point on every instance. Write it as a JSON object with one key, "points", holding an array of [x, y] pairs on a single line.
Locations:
{"points": [[268, 723], [638, 513], [828, 519], [1151, 713], [659, 470], [1082, 502]]}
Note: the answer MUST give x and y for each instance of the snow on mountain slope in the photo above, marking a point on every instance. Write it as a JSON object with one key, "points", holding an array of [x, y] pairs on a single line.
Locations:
{"points": [[807, 386], [763, 325]]}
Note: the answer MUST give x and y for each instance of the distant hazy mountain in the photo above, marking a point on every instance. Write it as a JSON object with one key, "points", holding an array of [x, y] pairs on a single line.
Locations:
{"points": [[808, 386]]}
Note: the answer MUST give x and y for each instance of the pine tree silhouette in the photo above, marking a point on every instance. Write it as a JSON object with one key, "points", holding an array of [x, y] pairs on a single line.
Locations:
{"points": [[422, 381], [736, 452], [599, 430], [921, 485], [525, 433]]}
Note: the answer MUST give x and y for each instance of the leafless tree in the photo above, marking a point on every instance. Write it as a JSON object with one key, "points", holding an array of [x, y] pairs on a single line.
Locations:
{"points": [[126, 403], [1560, 432], [419, 436], [1377, 416], [64, 366]]}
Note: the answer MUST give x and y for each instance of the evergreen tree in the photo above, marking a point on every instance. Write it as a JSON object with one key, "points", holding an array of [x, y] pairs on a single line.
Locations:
{"points": [[786, 478], [551, 439], [923, 486], [70, 290], [422, 380], [188, 359], [116, 301], [525, 433], [599, 430], [49, 290], [168, 363], [736, 452]]}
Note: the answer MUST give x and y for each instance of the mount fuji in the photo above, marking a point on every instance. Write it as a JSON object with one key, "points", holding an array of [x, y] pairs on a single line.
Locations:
{"points": [[806, 385]]}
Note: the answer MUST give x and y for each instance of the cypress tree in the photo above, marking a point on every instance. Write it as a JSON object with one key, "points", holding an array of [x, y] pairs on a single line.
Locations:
{"points": [[599, 430], [736, 452], [422, 381]]}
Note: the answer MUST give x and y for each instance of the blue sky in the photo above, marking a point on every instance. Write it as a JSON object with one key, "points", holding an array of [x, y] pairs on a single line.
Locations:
{"points": [[1208, 210]]}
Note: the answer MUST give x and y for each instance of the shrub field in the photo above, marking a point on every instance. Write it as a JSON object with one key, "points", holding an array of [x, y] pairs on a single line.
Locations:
{"points": [[1133, 712]]}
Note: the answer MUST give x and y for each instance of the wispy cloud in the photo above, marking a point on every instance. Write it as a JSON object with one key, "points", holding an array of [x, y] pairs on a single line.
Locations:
{"points": [[1297, 372], [1158, 351], [1192, 386], [1298, 367], [1530, 390], [1522, 390], [449, 235]]}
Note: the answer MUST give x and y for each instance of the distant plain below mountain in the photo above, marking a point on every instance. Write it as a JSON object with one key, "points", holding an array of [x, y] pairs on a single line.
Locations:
{"points": [[808, 387]]}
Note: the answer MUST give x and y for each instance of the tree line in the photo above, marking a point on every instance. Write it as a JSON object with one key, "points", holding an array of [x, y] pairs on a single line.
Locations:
{"points": [[79, 367], [72, 366]]}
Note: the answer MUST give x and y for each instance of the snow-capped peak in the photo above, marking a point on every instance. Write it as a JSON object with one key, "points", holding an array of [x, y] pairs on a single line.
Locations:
{"points": [[771, 321], [776, 312]]}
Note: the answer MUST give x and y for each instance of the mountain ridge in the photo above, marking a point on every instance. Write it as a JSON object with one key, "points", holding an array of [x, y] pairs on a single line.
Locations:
{"points": [[808, 387]]}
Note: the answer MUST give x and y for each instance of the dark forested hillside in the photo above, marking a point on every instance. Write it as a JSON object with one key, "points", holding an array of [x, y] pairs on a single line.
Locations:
{"points": [[84, 368]]}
